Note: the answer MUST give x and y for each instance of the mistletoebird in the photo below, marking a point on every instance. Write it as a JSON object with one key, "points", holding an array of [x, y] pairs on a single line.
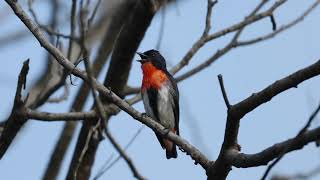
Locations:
{"points": [[160, 96]]}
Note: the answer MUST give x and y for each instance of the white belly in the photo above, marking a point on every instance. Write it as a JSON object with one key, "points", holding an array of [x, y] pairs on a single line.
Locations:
{"points": [[164, 107]]}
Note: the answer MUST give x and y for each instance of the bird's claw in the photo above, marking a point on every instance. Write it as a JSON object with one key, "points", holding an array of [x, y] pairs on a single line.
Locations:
{"points": [[166, 131], [182, 150], [144, 115]]}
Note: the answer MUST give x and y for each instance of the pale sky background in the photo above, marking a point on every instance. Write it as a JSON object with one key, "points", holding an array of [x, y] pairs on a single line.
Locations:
{"points": [[245, 70]]}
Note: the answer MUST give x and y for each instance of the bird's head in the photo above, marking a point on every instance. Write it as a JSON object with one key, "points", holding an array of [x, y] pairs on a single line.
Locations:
{"points": [[154, 57]]}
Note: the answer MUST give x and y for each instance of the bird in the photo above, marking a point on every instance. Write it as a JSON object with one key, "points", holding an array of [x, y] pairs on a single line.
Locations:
{"points": [[160, 96]]}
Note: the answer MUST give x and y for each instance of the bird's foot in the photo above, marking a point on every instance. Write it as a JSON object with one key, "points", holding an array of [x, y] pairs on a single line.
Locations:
{"points": [[144, 115], [166, 131], [182, 150]]}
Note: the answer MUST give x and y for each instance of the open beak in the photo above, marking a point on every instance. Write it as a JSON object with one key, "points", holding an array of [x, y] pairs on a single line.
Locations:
{"points": [[143, 58], [142, 61]]}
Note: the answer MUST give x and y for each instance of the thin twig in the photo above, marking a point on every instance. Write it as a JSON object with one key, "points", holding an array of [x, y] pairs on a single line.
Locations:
{"points": [[273, 22], [238, 43], [301, 132], [63, 97], [108, 165], [93, 15], [124, 156], [225, 97], [262, 158], [72, 27], [162, 24], [32, 12], [282, 28], [248, 20], [199, 43], [94, 130]]}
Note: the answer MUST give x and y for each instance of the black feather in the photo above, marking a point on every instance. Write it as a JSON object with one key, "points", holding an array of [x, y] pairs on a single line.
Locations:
{"points": [[152, 94], [156, 59], [175, 95]]}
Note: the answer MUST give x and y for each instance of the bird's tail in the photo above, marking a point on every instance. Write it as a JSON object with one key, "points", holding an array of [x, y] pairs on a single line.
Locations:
{"points": [[171, 150], [169, 146]]}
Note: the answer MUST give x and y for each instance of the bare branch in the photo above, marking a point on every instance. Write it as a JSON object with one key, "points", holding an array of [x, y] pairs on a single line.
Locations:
{"points": [[242, 160], [116, 77], [265, 95], [199, 43], [248, 20], [237, 111], [251, 18], [298, 136], [93, 15], [99, 105], [108, 165], [63, 97], [208, 17], [282, 28], [122, 13], [194, 153], [72, 26], [219, 53], [16, 120], [273, 22], [225, 97], [95, 128], [162, 24], [70, 116], [124, 155], [221, 167], [237, 43]]}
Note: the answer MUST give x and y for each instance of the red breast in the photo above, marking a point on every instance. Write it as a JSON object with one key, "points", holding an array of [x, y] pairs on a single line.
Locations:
{"points": [[152, 77]]}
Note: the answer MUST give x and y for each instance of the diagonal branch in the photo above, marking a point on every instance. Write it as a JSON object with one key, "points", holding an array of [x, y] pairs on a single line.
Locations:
{"points": [[116, 21], [251, 18], [241, 160], [99, 107], [108, 165], [125, 47], [265, 95], [293, 143], [192, 151], [124, 155]]}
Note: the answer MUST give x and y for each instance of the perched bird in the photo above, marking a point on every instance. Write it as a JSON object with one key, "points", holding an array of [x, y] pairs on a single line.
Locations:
{"points": [[160, 96]]}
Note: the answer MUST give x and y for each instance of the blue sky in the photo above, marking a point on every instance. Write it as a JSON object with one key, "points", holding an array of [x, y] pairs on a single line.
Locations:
{"points": [[203, 114]]}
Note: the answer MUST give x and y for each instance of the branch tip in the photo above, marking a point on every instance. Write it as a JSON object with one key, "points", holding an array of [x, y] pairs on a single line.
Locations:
{"points": [[224, 94], [273, 22]]}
